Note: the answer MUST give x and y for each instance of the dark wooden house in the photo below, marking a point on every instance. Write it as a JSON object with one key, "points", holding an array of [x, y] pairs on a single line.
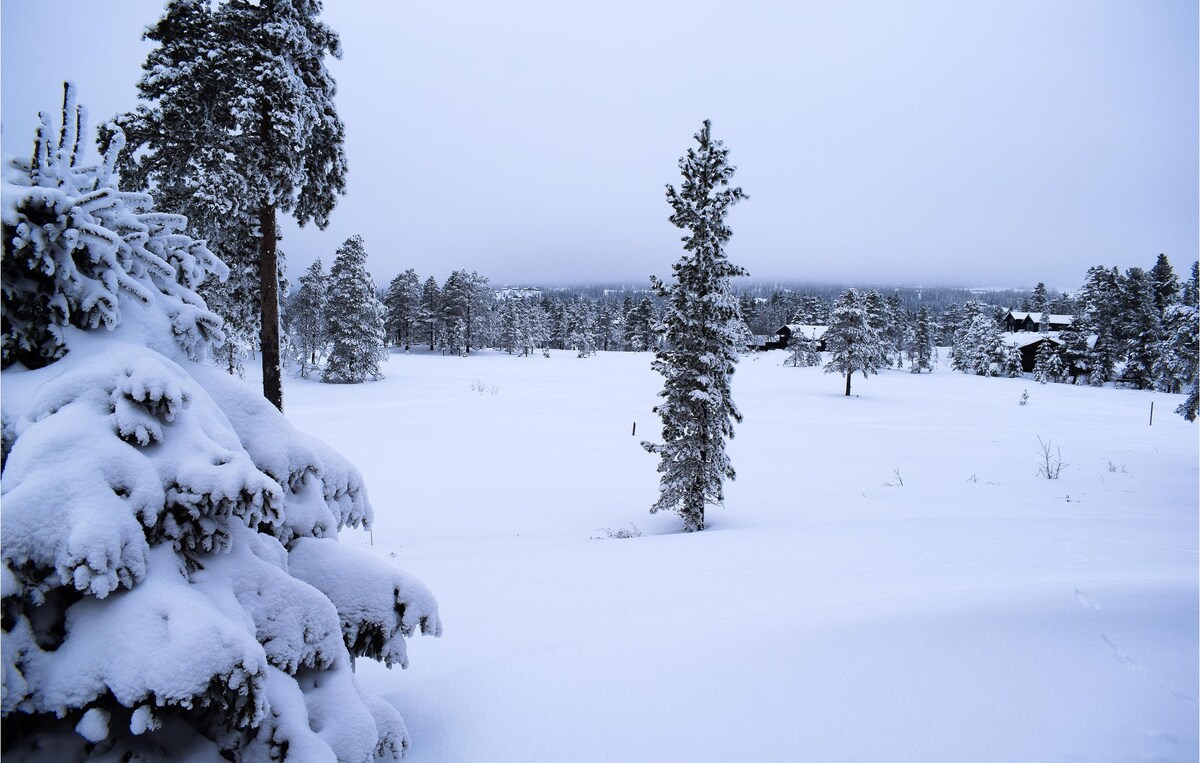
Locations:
{"points": [[784, 334], [1019, 320]]}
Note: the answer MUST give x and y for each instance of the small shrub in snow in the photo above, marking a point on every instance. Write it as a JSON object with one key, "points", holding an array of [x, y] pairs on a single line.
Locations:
{"points": [[172, 584], [1113, 468], [479, 386], [1024, 397], [1052, 463], [621, 532]]}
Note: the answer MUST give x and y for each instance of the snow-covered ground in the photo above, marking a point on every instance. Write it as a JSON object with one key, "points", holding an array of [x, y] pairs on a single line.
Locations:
{"points": [[978, 611]]}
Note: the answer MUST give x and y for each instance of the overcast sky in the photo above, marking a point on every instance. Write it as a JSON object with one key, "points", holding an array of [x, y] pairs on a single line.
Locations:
{"points": [[970, 143]]}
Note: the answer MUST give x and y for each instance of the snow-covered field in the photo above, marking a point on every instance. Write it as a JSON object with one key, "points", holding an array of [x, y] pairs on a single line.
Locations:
{"points": [[977, 611]]}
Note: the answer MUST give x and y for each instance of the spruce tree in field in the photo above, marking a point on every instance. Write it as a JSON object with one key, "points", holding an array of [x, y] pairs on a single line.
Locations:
{"points": [[429, 313], [403, 300], [1140, 328], [1048, 365], [173, 587], [804, 351], [700, 325], [922, 342], [1164, 283], [355, 319], [851, 342], [239, 124], [306, 317]]}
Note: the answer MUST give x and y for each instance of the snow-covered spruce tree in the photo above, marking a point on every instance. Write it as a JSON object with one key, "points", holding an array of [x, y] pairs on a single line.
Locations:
{"points": [[306, 320], [700, 326], [172, 584], [355, 319], [239, 124], [1012, 366], [804, 351], [922, 352], [1047, 365], [403, 300], [429, 313], [851, 342]]}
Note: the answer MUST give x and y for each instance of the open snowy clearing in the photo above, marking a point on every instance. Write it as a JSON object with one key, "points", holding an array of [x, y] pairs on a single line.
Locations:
{"points": [[976, 611]]}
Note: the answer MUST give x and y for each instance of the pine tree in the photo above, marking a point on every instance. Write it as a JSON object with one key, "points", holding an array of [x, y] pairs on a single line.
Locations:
{"points": [[642, 322], [1038, 301], [922, 351], [240, 117], [430, 311], [307, 322], [1165, 285], [851, 342], [1178, 355], [403, 300], [699, 351], [581, 327], [804, 351], [1139, 328], [1011, 366], [1047, 363], [355, 319], [173, 584]]}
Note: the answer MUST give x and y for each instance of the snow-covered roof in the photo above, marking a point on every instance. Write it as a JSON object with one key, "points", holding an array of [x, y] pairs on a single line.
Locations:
{"points": [[1026, 338], [1020, 315], [811, 332]]}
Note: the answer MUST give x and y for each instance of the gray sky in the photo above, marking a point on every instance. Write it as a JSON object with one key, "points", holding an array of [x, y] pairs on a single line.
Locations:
{"points": [[972, 143]]}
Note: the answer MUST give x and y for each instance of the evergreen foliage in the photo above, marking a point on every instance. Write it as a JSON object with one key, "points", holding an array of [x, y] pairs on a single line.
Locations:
{"points": [[355, 319], [74, 244], [804, 351], [403, 302], [700, 327], [239, 124], [852, 344], [306, 322], [922, 352], [1048, 365], [172, 581], [429, 312]]}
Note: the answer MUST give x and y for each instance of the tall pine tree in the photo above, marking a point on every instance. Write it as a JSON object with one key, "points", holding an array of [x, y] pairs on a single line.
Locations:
{"points": [[355, 317], [701, 324], [853, 345], [239, 125]]}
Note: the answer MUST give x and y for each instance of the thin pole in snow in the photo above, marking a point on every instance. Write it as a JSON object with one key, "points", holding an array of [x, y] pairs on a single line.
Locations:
{"points": [[1151, 413], [372, 536], [634, 432]]}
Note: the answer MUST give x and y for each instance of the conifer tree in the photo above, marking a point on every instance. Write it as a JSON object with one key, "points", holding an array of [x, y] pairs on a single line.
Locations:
{"points": [[402, 300], [699, 351], [429, 313], [307, 322], [1048, 364], [804, 351], [173, 585], [922, 342], [851, 342], [239, 124], [355, 319], [1164, 283], [1011, 365], [1038, 301], [1139, 327]]}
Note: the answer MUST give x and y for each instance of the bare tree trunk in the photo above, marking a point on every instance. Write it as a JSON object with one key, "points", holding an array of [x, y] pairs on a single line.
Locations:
{"points": [[268, 273], [848, 375]]}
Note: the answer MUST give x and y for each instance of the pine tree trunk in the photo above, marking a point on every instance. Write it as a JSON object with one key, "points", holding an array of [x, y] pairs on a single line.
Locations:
{"points": [[268, 273], [848, 375]]}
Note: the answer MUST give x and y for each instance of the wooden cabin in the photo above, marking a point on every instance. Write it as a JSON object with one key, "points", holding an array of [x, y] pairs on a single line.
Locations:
{"points": [[784, 333], [1018, 320]]}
